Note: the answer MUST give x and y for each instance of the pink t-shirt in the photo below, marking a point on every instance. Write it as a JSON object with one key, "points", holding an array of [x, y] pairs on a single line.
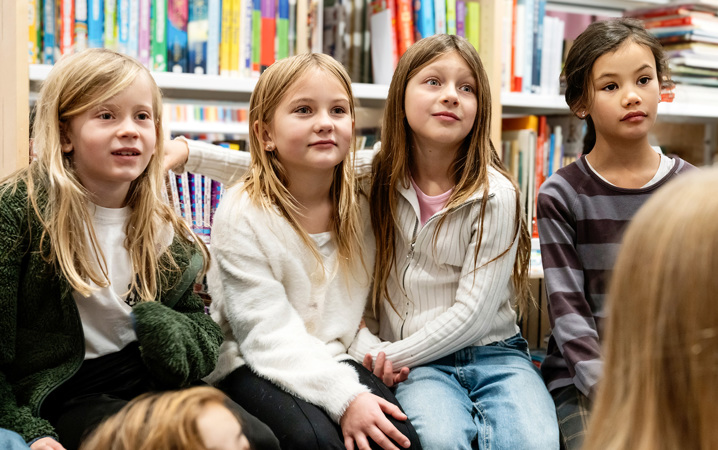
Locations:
{"points": [[430, 205]]}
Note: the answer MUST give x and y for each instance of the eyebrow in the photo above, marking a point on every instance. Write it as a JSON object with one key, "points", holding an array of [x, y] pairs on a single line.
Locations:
{"points": [[640, 69]]}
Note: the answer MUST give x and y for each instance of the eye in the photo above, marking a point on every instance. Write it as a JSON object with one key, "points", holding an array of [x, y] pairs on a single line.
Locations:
{"points": [[105, 116], [144, 116], [302, 110], [432, 82], [467, 88], [339, 110], [610, 87], [644, 80]]}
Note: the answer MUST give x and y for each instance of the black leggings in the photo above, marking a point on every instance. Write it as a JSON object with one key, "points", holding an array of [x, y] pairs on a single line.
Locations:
{"points": [[102, 386], [296, 423]]}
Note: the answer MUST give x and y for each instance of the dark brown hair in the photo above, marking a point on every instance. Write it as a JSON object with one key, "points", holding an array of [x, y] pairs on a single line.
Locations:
{"points": [[596, 40]]}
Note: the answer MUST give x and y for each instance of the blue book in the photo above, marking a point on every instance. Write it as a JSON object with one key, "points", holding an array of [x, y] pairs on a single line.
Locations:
{"points": [[198, 35], [424, 18], [215, 25], [530, 24], [177, 54], [48, 28], [551, 154], [133, 41], [540, 10], [95, 25]]}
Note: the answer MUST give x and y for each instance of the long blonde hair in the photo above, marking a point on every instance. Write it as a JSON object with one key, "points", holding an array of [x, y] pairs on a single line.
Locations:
{"points": [[660, 384], [469, 170], [266, 182], [76, 84], [157, 421]]}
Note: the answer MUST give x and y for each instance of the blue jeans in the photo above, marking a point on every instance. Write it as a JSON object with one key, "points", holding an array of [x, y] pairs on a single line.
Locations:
{"points": [[9, 440], [488, 397]]}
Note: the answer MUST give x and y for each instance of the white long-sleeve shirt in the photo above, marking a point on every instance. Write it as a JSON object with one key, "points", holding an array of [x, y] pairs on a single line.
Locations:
{"points": [[445, 301]]}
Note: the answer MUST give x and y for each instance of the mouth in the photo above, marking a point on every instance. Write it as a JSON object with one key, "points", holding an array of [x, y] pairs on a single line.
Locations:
{"points": [[634, 115], [126, 152], [322, 143], [446, 114]]}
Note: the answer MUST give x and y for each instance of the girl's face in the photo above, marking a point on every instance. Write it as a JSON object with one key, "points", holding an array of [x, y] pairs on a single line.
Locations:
{"points": [[312, 126], [112, 143], [440, 103], [626, 93], [220, 429]]}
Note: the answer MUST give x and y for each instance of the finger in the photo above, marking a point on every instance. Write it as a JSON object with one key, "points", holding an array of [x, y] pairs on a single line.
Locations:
{"points": [[388, 378], [391, 409], [362, 443], [349, 442], [402, 375], [390, 430], [368, 362], [382, 440], [379, 366]]}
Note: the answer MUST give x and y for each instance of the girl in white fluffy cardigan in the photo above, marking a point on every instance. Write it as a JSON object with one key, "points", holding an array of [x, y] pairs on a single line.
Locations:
{"points": [[292, 259]]}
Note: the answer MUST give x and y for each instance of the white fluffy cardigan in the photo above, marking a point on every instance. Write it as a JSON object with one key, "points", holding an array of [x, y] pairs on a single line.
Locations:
{"points": [[281, 313]]}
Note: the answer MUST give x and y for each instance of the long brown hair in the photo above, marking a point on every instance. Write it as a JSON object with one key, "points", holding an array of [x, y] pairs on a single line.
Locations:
{"points": [[660, 385], [595, 41], [157, 421], [75, 84], [469, 170]]}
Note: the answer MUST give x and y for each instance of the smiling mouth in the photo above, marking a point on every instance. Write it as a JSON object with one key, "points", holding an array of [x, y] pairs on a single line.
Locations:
{"points": [[447, 114], [126, 153], [631, 115]]}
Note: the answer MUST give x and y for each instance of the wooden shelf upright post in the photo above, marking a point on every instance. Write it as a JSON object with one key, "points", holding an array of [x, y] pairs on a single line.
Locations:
{"points": [[14, 86]]}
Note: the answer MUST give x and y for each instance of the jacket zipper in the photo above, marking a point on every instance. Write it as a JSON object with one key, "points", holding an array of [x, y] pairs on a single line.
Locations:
{"points": [[412, 244]]}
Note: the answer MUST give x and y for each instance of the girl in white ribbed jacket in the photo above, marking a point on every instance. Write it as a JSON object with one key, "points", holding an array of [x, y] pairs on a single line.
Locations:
{"points": [[292, 263], [452, 259]]}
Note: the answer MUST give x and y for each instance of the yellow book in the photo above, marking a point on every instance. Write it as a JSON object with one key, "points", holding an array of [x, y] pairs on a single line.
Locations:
{"points": [[224, 44]]}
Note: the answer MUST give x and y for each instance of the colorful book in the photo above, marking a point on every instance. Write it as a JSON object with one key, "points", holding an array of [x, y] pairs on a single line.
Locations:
{"points": [[145, 33], [473, 23], [214, 14], [198, 35], [178, 12], [159, 36], [424, 18], [268, 33], [110, 28], [461, 18], [439, 16], [35, 34], [404, 26], [48, 37], [81, 25], [539, 13], [245, 38], [450, 16], [133, 42], [67, 26], [256, 37], [123, 26], [95, 23], [283, 29], [225, 43], [383, 43]]}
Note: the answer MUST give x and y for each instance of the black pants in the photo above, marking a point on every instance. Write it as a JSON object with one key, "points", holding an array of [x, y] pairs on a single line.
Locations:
{"points": [[296, 423], [102, 386]]}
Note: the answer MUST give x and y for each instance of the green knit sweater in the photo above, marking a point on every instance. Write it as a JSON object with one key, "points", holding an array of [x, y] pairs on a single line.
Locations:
{"points": [[41, 337]]}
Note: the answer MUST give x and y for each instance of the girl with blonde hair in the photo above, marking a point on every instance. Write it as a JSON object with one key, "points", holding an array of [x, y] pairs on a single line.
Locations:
{"points": [[293, 269], [660, 384], [198, 418], [97, 297]]}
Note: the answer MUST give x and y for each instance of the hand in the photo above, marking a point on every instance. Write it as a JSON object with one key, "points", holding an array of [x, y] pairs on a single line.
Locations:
{"points": [[46, 443], [176, 153], [362, 324], [364, 418], [384, 369]]}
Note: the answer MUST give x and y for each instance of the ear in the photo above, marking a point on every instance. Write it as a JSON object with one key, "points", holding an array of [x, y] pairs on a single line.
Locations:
{"points": [[65, 143], [264, 136]]}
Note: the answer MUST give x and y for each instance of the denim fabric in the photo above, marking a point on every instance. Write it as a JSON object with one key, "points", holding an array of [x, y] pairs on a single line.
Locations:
{"points": [[487, 397], [9, 440]]}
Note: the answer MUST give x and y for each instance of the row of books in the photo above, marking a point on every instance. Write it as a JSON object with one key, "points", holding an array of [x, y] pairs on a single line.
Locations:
{"points": [[195, 198], [534, 148], [197, 113], [689, 34], [532, 47]]}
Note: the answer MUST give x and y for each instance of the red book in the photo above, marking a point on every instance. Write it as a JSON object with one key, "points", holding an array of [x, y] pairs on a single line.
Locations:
{"points": [[404, 25], [67, 26], [677, 21], [268, 32]]}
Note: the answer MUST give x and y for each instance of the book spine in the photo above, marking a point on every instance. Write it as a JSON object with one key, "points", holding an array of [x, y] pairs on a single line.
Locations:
{"points": [[95, 25], [177, 12], [80, 25], [256, 36], [283, 30], [450, 16], [292, 31], [145, 32], [67, 26], [246, 34], [424, 11], [34, 25], [159, 35], [538, 46], [133, 41], [439, 16], [174, 193], [214, 200], [110, 33], [215, 24], [461, 18], [473, 24], [675, 22], [48, 39], [405, 25], [531, 24], [206, 207], [197, 36], [123, 25], [225, 38], [302, 26]]}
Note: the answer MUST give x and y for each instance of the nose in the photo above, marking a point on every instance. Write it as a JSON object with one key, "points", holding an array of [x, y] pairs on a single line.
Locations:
{"points": [[449, 95], [128, 128], [323, 122], [631, 99]]}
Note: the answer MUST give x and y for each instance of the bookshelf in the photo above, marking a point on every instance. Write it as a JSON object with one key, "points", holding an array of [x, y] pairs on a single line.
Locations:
{"points": [[16, 90]]}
